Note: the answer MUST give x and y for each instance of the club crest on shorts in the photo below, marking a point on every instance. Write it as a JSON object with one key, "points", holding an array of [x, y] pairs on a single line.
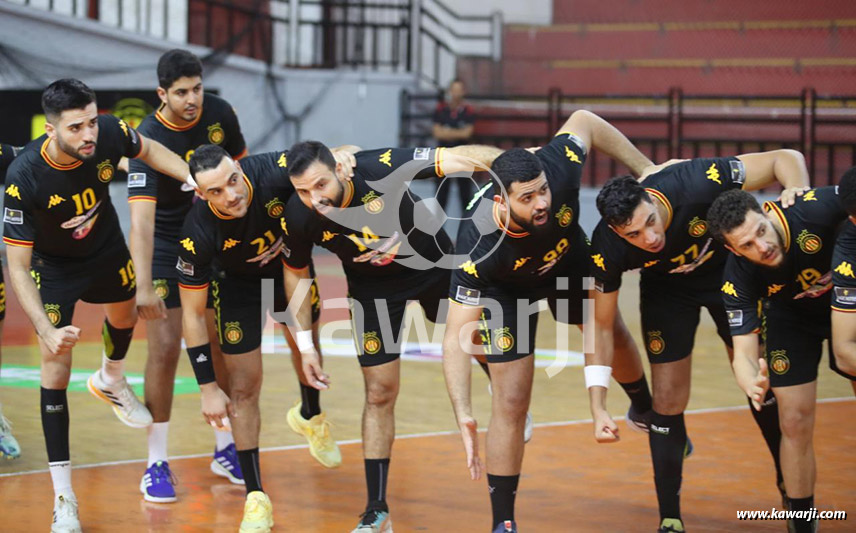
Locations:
{"points": [[809, 242], [656, 344], [371, 342], [373, 203], [779, 362], [233, 332], [697, 227], [215, 133], [275, 208], [503, 339], [161, 288], [105, 171], [565, 216], [52, 310]]}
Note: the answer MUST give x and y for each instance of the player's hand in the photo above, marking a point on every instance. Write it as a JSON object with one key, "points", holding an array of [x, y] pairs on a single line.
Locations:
{"points": [[347, 160], [757, 391], [150, 306], [60, 341], [470, 436], [653, 169], [605, 428], [788, 197], [216, 406], [313, 372]]}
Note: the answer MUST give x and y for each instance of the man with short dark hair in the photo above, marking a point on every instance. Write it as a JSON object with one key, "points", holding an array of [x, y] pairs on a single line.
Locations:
{"points": [[844, 281], [524, 243], [659, 224], [64, 244], [781, 258]]}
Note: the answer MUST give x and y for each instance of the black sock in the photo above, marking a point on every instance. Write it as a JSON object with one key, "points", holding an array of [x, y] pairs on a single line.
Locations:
{"points": [[249, 460], [310, 401], [55, 423], [668, 438], [116, 341], [639, 394], [377, 473], [485, 368], [767, 420], [801, 525], [503, 490]]}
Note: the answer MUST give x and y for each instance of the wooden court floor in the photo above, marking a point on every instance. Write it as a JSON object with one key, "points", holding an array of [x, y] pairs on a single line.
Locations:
{"points": [[569, 483]]}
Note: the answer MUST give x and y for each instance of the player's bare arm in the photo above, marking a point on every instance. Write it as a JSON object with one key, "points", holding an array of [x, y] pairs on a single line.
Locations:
{"points": [[461, 158], [844, 340], [785, 166], [162, 159], [457, 367], [750, 371], [295, 291], [600, 134], [605, 311], [150, 306]]}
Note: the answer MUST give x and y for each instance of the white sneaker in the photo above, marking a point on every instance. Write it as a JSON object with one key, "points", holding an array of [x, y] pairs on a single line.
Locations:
{"points": [[123, 400], [530, 425], [65, 517]]}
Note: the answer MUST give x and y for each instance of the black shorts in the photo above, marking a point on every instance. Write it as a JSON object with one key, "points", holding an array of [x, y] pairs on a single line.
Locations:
{"points": [[377, 319], [671, 309], [2, 293], [794, 345], [108, 278], [511, 336], [238, 311], [167, 289]]}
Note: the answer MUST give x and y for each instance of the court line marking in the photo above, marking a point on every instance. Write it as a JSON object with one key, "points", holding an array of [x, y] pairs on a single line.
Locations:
{"points": [[708, 410]]}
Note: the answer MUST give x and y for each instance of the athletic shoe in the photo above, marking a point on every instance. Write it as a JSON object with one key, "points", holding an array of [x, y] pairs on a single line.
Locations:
{"points": [[123, 400], [689, 448], [374, 522], [9, 447], [671, 525], [317, 432], [637, 421], [508, 526], [258, 513], [226, 464], [65, 517], [158, 483], [527, 429]]}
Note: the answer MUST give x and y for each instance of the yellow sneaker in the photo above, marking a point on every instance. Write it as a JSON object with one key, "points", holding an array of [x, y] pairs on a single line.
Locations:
{"points": [[258, 513], [322, 446]]}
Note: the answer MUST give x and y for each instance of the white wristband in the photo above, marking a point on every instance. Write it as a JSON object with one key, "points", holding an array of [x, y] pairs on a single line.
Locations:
{"points": [[191, 182], [304, 341], [597, 376]]}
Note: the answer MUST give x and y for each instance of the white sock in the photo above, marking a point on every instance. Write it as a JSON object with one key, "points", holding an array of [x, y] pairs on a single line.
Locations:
{"points": [[61, 477], [112, 371], [222, 439], [158, 433]]}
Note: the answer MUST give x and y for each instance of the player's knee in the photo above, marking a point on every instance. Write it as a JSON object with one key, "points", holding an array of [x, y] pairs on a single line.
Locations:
{"points": [[797, 423], [381, 393], [511, 404], [245, 387]]}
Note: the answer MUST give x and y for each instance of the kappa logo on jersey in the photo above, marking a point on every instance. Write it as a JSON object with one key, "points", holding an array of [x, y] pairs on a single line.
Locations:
{"points": [[845, 269], [774, 288], [55, 200], [809, 242], [185, 267], [735, 318], [327, 236], [697, 227], [136, 180], [372, 203], [124, 127], [738, 171], [12, 190], [105, 171], [470, 268], [465, 295], [13, 216], [421, 154], [845, 296], [713, 174], [779, 362], [651, 263], [572, 156], [520, 262], [386, 158], [728, 288], [371, 342], [809, 196], [565, 216], [282, 161], [275, 208], [188, 245], [215, 133], [283, 225], [230, 243], [599, 262]]}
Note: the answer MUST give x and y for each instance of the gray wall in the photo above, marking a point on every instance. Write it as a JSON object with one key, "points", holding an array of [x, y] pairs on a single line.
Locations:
{"points": [[335, 107]]}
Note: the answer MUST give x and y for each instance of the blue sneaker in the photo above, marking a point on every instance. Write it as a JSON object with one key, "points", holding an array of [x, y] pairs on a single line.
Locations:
{"points": [[507, 526], [374, 522], [158, 483], [226, 464]]}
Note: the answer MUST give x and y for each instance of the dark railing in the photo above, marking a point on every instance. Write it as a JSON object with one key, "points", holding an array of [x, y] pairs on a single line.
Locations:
{"points": [[665, 126]]}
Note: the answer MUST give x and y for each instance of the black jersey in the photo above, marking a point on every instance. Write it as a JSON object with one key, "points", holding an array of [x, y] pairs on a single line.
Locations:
{"points": [[802, 283], [686, 191], [249, 247], [498, 257], [64, 211], [7, 155], [373, 232], [843, 275], [216, 124]]}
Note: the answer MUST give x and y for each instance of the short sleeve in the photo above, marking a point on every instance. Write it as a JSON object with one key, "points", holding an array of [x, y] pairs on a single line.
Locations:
{"points": [[843, 275], [18, 209], [740, 296], [420, 162], [607, 259], [142, 182], [129, 141], [195, 251], [563, 157], [298, 244], [235, 143], [468, 283]]}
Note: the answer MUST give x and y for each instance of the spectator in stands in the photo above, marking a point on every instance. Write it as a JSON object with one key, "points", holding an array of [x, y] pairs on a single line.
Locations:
{"points": [[453, 126]]}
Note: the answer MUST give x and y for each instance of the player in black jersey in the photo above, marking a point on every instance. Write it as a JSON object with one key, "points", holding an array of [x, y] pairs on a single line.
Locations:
{"points": [[844, 281], [375, 225], [158, 207], [660, 226], [781, 258], [523, 243], [64, 244], [9, 447]]}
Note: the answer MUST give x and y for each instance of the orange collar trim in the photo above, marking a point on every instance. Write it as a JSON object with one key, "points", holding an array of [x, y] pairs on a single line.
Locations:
{"points": [[502, 227], [249, 201], [665, 201], [777, 211], [349, 195], [174, 127], [54, 164]]}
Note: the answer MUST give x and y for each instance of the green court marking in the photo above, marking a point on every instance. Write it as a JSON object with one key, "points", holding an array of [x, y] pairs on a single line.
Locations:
{"points": [[28, 377]]}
